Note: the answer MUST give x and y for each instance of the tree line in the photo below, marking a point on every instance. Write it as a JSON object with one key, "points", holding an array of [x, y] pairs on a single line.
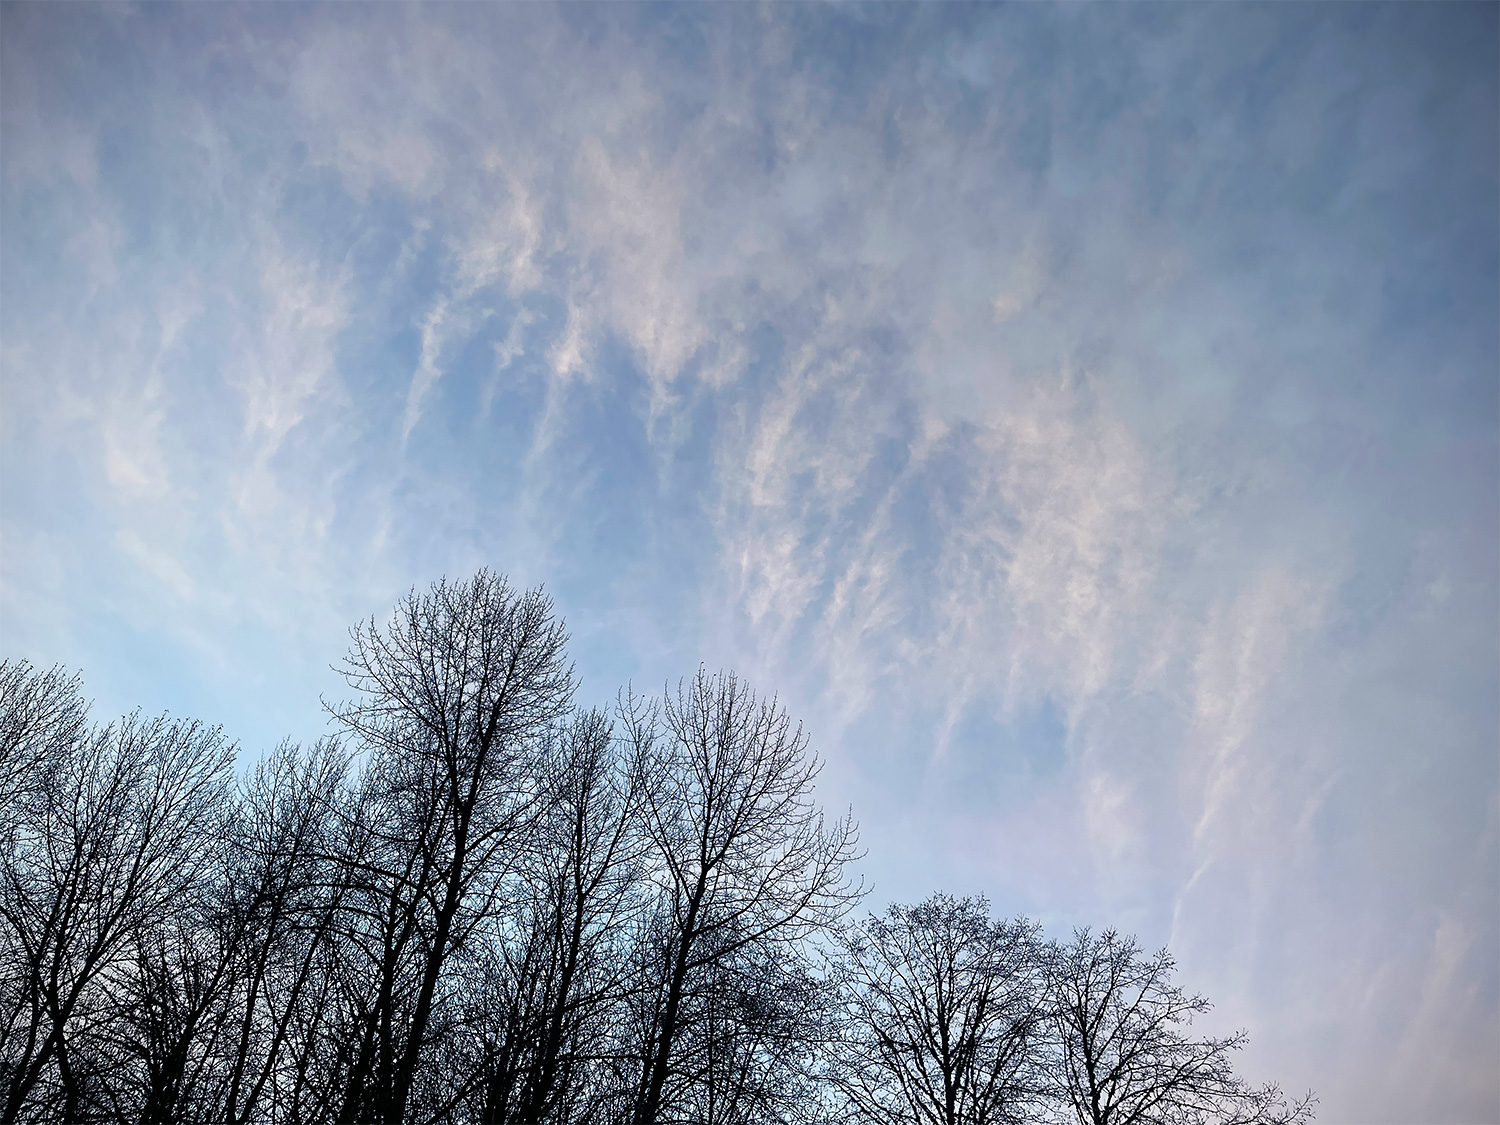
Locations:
{"points": [[483, 902]]}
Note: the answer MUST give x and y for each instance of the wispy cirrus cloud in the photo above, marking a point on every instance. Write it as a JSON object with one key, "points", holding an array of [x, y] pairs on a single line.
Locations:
{"points": [[1084, 418]]}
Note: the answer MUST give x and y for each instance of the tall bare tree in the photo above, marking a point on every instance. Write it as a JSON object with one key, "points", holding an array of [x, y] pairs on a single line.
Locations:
{"points": [[747, 861], [455, 696]]}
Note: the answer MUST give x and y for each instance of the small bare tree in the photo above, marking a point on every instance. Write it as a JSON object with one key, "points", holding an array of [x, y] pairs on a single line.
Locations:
{"points": [[944, 1017], [1126, 1054], [751, 1048]]}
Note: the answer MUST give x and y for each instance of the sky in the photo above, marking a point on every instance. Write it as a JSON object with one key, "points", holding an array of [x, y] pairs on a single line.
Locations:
{"points": [[1085, 419]]}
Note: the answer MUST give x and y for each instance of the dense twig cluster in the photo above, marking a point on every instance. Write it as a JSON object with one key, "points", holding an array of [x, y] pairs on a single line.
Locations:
{"points": [[483, 903]]}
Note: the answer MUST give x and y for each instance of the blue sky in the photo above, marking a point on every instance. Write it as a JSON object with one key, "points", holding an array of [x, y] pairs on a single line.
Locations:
{"points": [[1084, 418]]}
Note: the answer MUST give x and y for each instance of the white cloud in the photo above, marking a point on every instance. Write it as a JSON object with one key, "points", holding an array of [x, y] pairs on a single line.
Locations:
{"points": [[979, 436]]}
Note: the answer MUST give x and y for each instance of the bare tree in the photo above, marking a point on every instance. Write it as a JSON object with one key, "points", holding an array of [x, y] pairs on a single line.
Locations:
{"points": [[42, 717], [171, 1013], [747, 862], [944, 1017], [751, 1048], [283, 890], [117, 830], [207, 1012], [455, 696], [555, 971], [1126, 1054]]}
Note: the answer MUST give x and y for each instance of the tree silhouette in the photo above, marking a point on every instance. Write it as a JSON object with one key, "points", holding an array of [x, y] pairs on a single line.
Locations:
{"points": [[945, 1017], [455, 698], [1126, 1052], [109, 834], [481, 902], [748, 865]]}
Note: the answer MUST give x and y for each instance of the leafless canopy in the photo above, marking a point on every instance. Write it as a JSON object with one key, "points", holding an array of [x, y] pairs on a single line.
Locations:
{"points": [[1126, 1052], [483, 902], [946, 1017]]}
